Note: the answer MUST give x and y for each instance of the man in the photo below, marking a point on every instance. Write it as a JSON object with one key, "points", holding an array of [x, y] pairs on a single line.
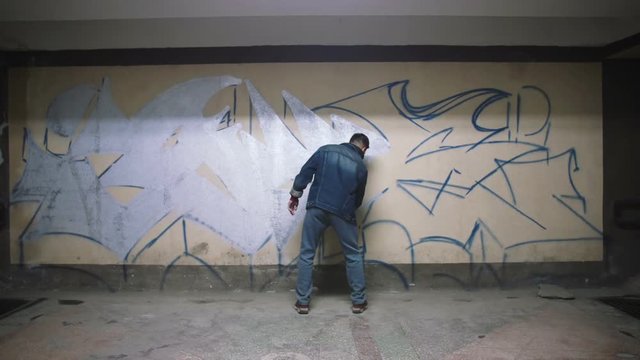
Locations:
{"points": [[339, 179]]}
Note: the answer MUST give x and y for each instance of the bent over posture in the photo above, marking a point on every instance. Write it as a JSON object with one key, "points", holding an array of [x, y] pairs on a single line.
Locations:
{"points": [[339, 179]]}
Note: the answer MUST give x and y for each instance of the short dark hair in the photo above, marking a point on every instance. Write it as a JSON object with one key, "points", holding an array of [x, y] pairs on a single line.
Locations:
{"points": [[359, 138]]}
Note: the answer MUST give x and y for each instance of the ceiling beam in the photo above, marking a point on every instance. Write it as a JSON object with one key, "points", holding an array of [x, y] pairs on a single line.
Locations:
{"points": [[74, 10]]}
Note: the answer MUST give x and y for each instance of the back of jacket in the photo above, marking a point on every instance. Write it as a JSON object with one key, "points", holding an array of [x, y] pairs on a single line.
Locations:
{"points": [[339, 179]]}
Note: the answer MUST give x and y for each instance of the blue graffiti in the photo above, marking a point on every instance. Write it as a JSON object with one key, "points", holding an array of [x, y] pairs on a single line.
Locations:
{"points": [[509, 153], [489, 160]]}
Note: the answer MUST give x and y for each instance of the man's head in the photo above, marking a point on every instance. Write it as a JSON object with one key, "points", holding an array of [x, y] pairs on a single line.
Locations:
{"points": [[361, 141]]}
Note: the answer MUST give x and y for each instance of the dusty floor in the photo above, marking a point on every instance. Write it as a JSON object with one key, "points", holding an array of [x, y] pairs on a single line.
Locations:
{"points": [[418, 324]]}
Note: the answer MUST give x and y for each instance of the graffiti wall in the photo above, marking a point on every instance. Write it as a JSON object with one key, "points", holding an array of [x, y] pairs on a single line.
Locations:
{"points": [[170, 165]]}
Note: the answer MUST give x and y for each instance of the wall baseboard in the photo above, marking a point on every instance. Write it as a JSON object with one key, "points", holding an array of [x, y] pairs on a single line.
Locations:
{"points": [[327, 278]]}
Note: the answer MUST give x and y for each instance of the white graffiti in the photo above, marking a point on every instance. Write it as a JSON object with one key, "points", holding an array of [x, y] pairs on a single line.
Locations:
{"points": [[158, 151]]}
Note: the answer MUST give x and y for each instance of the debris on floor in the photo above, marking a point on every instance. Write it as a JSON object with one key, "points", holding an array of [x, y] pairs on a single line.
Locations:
{"points": [[549, 291]]}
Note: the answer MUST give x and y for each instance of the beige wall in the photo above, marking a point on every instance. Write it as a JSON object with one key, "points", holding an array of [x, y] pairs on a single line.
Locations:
{"points": [[455, 205]]}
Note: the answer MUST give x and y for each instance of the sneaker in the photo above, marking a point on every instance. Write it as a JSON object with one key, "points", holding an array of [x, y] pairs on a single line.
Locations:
{"points": [[302, 309], [359, 308]]}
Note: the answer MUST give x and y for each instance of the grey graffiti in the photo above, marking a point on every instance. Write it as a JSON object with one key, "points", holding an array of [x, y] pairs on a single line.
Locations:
{"points": [[67, 109], [158, 152]]}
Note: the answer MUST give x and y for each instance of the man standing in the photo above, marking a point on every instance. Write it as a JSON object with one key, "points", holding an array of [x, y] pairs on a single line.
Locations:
{"points": [[339, 179]]}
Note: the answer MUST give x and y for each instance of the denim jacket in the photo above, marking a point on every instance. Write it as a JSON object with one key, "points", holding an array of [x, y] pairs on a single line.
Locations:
{"points": [[339, 179]]}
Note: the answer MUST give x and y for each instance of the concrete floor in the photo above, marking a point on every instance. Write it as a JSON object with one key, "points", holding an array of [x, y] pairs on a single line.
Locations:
{"points": [[419, 324]]}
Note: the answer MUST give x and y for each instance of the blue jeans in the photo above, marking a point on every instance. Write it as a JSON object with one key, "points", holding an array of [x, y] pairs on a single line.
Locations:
{"points": [[316, 222]]}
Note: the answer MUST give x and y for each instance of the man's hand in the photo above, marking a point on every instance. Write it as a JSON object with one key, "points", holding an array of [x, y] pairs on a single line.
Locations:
{"points": [[293, 205]]}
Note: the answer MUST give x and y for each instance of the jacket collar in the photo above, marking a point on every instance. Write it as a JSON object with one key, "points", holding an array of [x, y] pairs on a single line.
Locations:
{"points": [[356, 149]]}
